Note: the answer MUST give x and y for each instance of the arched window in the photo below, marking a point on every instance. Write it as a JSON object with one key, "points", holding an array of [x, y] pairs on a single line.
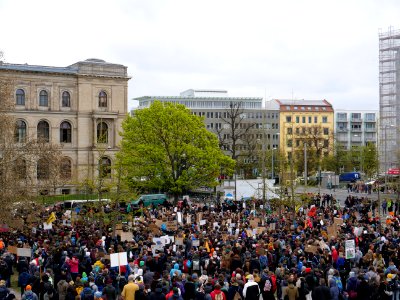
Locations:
{"points": [[43, 98], [102, 132], [66, 168], [65, 132], [66, 99], [43, 131], [105, 167], [102, 99], [20, 169], [20, 95], [20, 131], [42, 170]]}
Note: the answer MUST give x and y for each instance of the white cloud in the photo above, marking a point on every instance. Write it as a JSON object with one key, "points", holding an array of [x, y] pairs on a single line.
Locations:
{"points": [[317, 49]]}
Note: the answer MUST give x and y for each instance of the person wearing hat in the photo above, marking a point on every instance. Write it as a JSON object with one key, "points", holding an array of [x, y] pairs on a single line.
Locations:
{"points": [[28, 294], [175, 294], [251, 290], [128, 293]]}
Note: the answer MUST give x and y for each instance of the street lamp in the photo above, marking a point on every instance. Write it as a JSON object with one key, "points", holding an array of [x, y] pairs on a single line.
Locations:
{"points": [[262, 167]]}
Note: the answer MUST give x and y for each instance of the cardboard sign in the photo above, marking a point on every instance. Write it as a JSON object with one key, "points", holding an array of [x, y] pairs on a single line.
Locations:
{"points": [[272, 226], [159, 223], [126, 236], [338, 221], [254, 223], [332, 231], [196, 243], [12, 249], [179, 241], [26, 252], [260, 230], [118, 259], [118, 227], [172, 225], [311, 249]]}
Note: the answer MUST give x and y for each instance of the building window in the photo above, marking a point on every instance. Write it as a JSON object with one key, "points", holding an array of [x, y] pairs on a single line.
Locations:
{"points": [[102, 133], [20, 131], [289, 131], [303, 119], [43, 131], [370, 117], [66, 99], [66, 168], [102, 99], [105, 167], [43, 98], [289, 143], [309, 119], [297, 119], [42, 170], [315, 119], [288, 119], [65, 132], [326, 131], [20, 97], [324, 119]]}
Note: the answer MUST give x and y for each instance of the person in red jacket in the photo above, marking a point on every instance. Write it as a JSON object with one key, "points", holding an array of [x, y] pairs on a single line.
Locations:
{"points": [[217, 294]]}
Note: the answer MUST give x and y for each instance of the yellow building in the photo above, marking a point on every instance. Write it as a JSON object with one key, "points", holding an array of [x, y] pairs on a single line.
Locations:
{"points": [[305, 125]]}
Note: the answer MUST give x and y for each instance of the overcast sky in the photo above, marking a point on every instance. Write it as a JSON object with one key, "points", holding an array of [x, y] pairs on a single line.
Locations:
{"points": [[308, 49]]}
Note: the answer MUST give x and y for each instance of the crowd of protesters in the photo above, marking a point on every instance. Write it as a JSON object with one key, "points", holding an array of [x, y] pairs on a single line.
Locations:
{"points": [[239, 252]]}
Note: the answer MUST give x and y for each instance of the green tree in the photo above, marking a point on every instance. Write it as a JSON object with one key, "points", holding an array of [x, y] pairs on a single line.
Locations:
{"points": [[370, 163], [165, 147]]}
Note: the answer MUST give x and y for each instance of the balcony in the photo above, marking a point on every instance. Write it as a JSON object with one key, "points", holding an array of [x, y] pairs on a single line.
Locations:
{"points": [[355, 129], [370, 129], [356, 139], [341, 129], [356, 120]]}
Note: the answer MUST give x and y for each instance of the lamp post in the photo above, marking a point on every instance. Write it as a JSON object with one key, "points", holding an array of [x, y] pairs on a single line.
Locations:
{"points": [[262, 168]]}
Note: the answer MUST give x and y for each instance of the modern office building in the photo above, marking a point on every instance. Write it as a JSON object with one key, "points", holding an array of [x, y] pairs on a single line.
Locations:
{"points": [[256, 125], [389, 99], [354, 128], [80, 107]]}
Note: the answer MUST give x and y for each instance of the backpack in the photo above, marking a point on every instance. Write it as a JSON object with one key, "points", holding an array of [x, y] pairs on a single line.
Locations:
{"points": [[267, 285], [339, 283], [219, 296]]}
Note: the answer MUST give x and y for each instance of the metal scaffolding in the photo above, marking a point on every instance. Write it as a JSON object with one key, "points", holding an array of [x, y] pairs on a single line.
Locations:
{"points": [[389, 98]]}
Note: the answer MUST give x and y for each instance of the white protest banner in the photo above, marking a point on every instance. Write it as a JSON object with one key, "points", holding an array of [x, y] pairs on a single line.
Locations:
{"points": [[47, 226], [179, 241], [188, 219], [157, 247], [25, 252], [179, 216], [196, 243], [215, 225], [118, 259], [350, 248], [202, 222], [232, 225]]}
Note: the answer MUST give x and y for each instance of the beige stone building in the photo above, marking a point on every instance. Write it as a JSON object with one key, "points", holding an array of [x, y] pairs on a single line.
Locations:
{"points": [[80, 106]]}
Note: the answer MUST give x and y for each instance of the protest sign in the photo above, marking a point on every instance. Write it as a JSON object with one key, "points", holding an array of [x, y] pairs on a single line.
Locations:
{"points": [[179, 241], [350, 248], [126, 236], [338, 221], [179, 217], [159, 223], [249, 232], [189, 219], [12, 249], [272, 226], [254, 223], [215, 225], [118, 259], [202, 222], [26, 252], [196, 243], [311, 249], [47, 226], [332, 231], [172, 225]]}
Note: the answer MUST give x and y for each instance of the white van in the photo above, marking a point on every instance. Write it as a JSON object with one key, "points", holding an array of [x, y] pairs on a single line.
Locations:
{"points": [[69, 204]]}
